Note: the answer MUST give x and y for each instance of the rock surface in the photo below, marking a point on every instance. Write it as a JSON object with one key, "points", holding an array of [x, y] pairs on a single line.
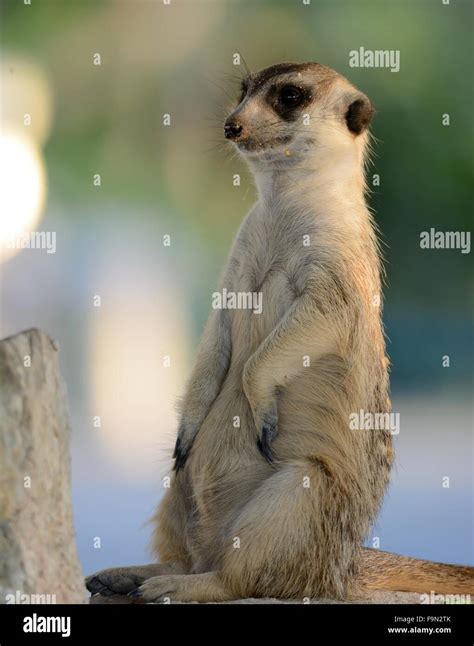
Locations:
{"points": [[372, 597], [37, 546]]}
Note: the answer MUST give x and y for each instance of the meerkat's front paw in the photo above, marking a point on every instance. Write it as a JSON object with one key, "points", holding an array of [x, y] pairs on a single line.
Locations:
{"points": [[201, 588], [114, 581], [186, 433], [266, 422], [159, 589], [269, 429], [122, 580], [263, 404], [180, 454], [264, 442]]}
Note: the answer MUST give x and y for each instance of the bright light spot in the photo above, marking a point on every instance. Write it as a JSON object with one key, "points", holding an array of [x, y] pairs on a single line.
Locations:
{"points": [[25, 98], [22, 189]]}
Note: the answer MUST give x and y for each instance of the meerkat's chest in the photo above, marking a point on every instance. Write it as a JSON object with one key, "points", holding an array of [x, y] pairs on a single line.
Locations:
{"points": [[271, 270], [275, 255]]}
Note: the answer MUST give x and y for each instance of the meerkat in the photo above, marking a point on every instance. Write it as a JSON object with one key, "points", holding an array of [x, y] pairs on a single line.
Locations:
{"points": [[272, 492]]}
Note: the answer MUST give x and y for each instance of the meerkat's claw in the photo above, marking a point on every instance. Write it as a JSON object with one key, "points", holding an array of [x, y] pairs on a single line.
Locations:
{"points": [[105, 592], [264, 448], [269, 431], [154, 590], [121, 580], [180, 455], [135, 594]]}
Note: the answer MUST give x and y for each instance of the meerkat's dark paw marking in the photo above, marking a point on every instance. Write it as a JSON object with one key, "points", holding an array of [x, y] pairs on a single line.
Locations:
{"points": [[96, 587], [135, 594], [180, 455], [156, 589], [119, 580], [269, 431]]}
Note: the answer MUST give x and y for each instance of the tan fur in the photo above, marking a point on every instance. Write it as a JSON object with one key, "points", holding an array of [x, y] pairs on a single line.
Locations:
{"points": [[384, 571], [239, 525]]}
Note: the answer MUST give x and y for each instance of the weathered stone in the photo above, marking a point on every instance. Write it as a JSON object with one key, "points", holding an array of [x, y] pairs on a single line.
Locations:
{"points": [[37, 547]]}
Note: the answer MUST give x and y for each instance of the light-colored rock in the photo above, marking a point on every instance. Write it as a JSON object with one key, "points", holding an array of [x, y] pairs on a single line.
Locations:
{"points": [[37, 547]]}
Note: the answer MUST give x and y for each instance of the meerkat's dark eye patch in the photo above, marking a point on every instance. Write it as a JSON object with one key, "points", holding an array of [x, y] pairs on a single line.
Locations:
{"points": [[286, 99]]}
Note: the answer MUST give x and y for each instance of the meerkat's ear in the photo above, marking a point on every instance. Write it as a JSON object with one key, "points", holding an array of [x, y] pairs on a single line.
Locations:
{"points": [[359, 114]]}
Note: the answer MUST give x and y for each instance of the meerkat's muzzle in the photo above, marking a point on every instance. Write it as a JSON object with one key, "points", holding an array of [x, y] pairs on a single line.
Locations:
{"points": [[232, 129]]}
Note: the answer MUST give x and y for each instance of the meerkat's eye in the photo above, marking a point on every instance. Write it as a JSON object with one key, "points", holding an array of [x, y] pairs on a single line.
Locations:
{"points": [[290, 96]]}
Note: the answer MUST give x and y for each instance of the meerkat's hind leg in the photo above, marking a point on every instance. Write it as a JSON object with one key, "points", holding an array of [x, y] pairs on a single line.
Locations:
{"points": [[206, 587], [122, 580]]}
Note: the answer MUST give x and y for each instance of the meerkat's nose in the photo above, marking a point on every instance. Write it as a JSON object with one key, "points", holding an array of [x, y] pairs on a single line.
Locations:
{"points": [[232, 130]]}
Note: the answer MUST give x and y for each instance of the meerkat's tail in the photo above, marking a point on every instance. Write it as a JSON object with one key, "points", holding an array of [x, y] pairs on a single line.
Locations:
{"points": [[385, 571]]}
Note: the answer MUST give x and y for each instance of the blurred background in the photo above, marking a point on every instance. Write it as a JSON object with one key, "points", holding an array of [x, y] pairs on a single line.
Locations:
{"points": [[144, 214]]}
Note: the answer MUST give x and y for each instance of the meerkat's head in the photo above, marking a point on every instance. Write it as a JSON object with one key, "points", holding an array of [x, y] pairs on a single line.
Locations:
{"points": [[295, 110]]}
